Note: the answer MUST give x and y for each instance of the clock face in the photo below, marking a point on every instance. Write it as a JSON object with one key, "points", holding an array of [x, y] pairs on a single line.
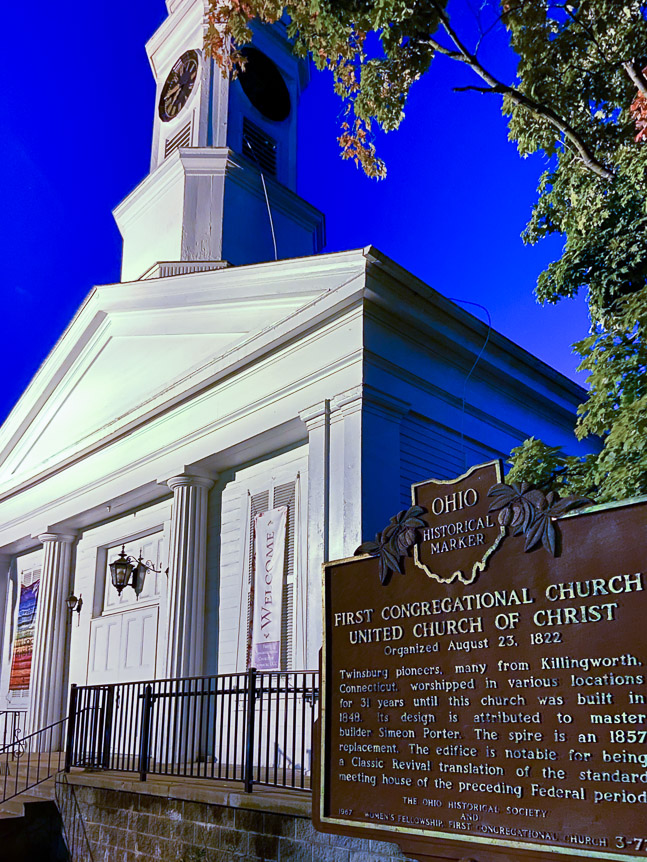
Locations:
{"points": [[179, 85], [264, 86]]}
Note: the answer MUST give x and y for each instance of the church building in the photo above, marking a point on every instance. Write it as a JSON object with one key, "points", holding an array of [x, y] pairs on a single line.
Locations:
{"points": [[236, 371]]}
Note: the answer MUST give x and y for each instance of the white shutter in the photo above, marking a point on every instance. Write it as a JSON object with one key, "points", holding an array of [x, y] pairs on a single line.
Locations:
{"points": [[258, 503], [279, 495], [284, 495]]}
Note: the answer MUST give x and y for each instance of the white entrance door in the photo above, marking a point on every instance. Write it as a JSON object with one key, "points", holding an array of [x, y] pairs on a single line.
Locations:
{"points": [[124, 639], [123, 646]]}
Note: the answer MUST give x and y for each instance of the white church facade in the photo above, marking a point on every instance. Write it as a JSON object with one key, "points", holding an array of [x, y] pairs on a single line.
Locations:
{"points": [[235, 370]]}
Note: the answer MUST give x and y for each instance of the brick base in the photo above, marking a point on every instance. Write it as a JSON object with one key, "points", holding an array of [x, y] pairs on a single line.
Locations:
{"points": [[112, 825]]}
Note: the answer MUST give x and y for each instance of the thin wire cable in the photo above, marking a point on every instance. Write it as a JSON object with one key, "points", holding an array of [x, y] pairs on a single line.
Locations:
{"points": [[267, 200], [269, 212], [471, 371]]}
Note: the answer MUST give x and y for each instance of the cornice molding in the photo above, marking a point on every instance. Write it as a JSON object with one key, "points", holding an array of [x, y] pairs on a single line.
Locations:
{"points": [[333, 280], [384, 270], [215, 163], [385, 404], [185, 16], [51, 505]]}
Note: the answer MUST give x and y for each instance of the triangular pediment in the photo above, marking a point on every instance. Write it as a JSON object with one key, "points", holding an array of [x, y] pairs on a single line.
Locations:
{"points": [[135, 348]]}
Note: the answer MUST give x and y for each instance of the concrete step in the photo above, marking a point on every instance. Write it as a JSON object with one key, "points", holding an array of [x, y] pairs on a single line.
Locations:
{"points": [[15, 774], [16, 807]]}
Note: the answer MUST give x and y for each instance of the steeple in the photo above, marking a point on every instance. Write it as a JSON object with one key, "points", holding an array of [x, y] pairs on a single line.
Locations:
{"points": [[222, 186]]}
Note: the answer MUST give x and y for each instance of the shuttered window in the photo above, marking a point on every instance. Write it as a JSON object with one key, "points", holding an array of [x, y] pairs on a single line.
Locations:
{"points": [[259, 147], [181, 139], [279, 495]]}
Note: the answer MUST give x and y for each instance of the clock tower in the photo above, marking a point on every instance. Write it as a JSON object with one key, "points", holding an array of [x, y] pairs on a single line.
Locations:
{"points": [[222, 185]]}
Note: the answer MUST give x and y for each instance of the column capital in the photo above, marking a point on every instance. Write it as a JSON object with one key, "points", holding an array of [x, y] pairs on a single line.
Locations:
{"points": [[65, 538], [187, 480], [315, 416], [348, 401]]}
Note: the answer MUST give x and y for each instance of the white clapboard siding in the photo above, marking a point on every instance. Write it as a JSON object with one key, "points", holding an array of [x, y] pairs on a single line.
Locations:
{"points": [[429, 450]]}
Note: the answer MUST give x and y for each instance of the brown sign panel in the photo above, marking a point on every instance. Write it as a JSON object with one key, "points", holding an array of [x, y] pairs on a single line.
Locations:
{"points": [[462, 533], [499, 715]]}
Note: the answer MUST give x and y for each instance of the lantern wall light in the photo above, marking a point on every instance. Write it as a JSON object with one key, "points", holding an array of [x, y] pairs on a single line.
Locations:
{"points": [[74, 604], [126, 571]]}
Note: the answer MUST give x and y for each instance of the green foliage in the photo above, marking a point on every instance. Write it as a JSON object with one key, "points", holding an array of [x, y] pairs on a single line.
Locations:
{"points": [[582, 60], [615, 356], [374, 89], [580, 99], [548, 467], [574, 59]]}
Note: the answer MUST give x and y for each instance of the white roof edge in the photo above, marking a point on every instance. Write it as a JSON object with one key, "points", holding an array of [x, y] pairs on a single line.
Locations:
{"points": [[430, 294], [100, 300], [323, 306]]}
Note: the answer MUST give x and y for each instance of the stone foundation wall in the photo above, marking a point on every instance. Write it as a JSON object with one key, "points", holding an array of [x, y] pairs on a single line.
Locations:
{"points": [[110, 825]]}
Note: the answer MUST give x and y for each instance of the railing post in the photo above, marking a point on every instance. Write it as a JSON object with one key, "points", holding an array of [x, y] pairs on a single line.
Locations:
{"points": [[107, 727], [249, 729], [71, 726], [146, 726]]}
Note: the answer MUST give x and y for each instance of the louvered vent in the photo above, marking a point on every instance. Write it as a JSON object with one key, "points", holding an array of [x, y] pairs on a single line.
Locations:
{"points": [[180, 139], [29, 577], [259, 147]]}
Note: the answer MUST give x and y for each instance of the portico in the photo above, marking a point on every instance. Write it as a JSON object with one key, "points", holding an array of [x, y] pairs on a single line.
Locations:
{"points": [[235, 370]]}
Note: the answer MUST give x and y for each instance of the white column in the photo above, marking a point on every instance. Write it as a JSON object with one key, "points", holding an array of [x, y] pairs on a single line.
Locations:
{"points": [[187, 575], [364, 466], [317, 421], [346, 444], [49, 663], [5, 570]]}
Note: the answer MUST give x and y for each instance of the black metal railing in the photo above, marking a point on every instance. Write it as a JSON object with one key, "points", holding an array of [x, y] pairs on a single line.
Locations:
{"points": [[11, 725], [31, 759], [254, 727], [74, 830]]}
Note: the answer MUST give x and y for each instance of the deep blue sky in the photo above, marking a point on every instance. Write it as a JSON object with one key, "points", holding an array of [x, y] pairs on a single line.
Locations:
{"points": [[75, 127]]}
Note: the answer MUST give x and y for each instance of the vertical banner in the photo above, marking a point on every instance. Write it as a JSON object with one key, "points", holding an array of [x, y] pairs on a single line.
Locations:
{"points": [[269, 533], [24, 642]]}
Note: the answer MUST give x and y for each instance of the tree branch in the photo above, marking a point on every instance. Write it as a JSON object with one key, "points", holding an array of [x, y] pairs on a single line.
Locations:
{"points": [[537, 110], [637, 75], [476, 90]]}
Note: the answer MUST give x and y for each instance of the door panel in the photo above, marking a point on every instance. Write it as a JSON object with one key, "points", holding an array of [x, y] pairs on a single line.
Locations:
{"points": [[104, 649], [123, 646]]}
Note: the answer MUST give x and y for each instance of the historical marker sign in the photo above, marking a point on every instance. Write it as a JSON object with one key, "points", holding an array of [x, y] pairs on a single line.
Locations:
{"points": [[462, 533], [490, 700]]}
